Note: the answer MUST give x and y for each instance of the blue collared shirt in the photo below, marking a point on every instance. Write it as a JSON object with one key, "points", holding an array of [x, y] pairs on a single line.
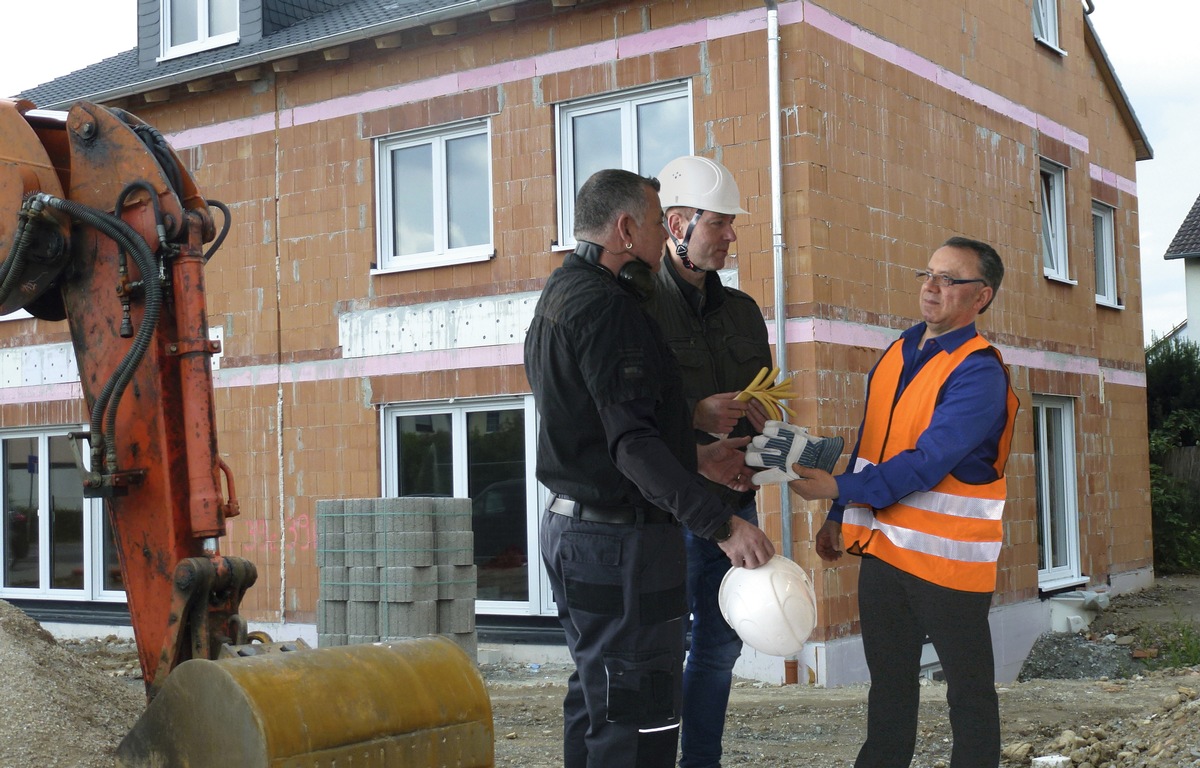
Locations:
{"points": [[962, 439]]}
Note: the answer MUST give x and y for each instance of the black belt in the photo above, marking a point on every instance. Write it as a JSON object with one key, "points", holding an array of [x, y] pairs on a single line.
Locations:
{"points": [[623, 515]]}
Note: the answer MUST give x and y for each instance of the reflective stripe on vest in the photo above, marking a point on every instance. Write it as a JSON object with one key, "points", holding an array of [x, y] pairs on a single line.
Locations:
{"points": [[951, 534]]}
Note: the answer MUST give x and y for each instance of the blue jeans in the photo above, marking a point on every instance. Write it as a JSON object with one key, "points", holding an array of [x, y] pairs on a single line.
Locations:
{"points": [[708, 674]]}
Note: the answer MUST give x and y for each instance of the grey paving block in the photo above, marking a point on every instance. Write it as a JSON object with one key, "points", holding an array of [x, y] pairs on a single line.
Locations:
{"points": [[362, 549], [399, 549], [455, 547], [408, 619], [332, 639], [452, 514], [331, 617], [362, 618], [406, 584], [407, 514], [457, 582], [455, 616], [468, 641], [333, 582], [364, 584]]}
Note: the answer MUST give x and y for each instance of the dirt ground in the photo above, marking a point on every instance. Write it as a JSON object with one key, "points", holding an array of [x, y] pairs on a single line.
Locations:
{"points": [[69, 703]]}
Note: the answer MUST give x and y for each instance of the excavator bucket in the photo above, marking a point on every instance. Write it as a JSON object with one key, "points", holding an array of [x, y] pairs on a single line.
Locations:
{"points": [[416, 703]]}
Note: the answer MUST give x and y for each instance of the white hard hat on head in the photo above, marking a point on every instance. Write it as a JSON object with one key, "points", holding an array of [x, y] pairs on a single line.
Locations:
{"points": [[696, 182], [772, 608]]}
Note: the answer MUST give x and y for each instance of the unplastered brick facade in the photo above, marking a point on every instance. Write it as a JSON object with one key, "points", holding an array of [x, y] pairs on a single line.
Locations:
{"points": [[900, 126]]}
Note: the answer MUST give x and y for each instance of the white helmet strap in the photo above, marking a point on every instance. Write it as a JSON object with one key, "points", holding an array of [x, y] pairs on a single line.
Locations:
{"points": [[681, 246]]}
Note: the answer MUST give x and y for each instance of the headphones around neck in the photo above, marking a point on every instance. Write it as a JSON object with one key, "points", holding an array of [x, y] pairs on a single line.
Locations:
{"points": [[635, 275]]}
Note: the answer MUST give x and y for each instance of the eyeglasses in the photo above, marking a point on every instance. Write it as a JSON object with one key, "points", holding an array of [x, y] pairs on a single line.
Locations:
{"points": [[945, 281]]}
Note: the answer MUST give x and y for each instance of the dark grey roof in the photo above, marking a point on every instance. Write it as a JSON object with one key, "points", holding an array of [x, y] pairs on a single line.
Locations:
{"points": [[331, 22], [1187, 240], [280, 14]]}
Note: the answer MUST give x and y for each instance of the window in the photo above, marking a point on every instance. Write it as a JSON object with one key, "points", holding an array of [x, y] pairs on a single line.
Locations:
{"points": [[1057, 508], [1045, 22], [55, 543], [482, 451], [435, 198], [189, 26], [640, 131], [1104, 243], [1054, 220]]}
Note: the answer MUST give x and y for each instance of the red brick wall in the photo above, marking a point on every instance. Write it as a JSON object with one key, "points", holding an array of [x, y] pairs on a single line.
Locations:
{"points": [[879, 166]]}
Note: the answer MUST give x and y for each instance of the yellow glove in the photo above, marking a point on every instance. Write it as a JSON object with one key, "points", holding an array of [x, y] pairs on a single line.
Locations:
{"points": [[768, 394]]}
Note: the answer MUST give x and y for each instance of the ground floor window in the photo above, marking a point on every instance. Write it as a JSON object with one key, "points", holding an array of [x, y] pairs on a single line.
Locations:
{"points": [[1057, 504], [55, 543], [482, 450]]}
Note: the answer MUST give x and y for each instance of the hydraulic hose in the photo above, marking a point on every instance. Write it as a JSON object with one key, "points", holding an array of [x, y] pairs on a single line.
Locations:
{"points": [[104, 410], [14, 264]]}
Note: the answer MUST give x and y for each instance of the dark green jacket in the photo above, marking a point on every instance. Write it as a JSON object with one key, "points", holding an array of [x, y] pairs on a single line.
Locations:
{"points": [[719, 339]]}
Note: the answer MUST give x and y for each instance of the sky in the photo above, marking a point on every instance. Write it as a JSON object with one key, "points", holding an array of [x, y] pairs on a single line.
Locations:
{"points": [[1151, 43]]}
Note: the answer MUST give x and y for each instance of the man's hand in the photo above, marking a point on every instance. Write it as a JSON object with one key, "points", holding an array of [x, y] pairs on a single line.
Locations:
{"points": [[748, 547], [757, 416], [718, 414], [829, 541], [812, 484], [724, 462]]}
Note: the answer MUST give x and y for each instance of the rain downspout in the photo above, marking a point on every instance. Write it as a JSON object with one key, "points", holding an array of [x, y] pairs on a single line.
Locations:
{"points": [[785, 505], [790, 665]]}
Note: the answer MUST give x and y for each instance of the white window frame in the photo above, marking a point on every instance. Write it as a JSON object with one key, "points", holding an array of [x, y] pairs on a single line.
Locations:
{"points": [[442, 254], [1104, 242], [93, 526], [541, 601], [1052, 190], [1045, 23], [203, 41], [1057, 493], [628, 102]]}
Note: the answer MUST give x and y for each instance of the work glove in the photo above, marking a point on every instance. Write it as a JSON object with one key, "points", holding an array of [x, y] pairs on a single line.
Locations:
{"points": [[781, 445]]}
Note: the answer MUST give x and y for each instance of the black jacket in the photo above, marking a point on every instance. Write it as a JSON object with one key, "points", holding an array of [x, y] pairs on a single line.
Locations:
{"points": [[614, 428]]}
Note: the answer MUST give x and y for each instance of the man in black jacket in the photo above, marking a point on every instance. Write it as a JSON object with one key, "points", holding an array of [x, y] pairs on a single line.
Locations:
{"points": [[617, 451]]}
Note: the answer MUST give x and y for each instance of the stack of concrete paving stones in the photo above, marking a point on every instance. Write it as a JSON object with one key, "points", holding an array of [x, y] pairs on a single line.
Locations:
{"points": [[396, 568]]}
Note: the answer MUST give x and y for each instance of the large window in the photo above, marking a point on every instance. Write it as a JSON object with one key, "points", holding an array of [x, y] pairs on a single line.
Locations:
{"points": [[1104, 242], [1057, 507], [435, 198], [1045, 22], [640, 131], [482, 451], [1054, 220], [55, 543], [189, 26]]}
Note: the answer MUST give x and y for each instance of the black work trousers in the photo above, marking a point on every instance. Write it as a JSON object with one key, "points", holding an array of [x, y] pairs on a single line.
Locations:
{"points": [[621, 598], [898, 611]]}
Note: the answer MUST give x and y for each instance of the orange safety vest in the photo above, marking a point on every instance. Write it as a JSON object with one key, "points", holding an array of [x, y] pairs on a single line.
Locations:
{"points": [[951, 534]]}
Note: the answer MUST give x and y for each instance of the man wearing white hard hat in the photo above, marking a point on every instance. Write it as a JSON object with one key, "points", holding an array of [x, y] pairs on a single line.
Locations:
{"points": [[720, 340]]}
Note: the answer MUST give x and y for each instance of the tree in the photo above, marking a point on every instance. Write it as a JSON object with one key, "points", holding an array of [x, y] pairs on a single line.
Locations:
{"points": [[1173, 409]]}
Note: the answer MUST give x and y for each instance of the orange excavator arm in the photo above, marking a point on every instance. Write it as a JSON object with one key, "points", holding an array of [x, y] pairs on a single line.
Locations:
{"points": [[102, 225], [105, 227]]}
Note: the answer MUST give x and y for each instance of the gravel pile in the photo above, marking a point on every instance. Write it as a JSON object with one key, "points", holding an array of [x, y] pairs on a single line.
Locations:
{"points": [[1065, 656], [1166, 738], [59, 710]]}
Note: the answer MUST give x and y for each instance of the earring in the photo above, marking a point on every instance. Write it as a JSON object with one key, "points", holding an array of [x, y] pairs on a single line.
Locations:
{"points": [[629, 246]]}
